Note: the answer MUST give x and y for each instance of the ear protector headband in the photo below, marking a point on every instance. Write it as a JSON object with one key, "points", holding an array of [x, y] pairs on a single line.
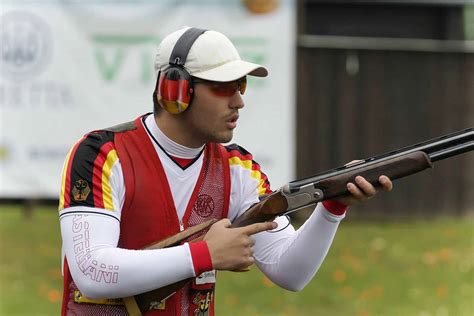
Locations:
{"points": [[174, 88]]}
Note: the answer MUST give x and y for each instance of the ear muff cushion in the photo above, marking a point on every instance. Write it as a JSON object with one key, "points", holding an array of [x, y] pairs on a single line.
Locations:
{"points": [[174, 90]]}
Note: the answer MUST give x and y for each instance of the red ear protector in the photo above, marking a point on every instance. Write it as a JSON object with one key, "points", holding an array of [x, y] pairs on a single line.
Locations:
{"points": [[174, 88]]}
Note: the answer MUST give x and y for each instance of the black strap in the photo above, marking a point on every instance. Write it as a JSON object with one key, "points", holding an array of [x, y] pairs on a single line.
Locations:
{"points": [[183, 45]]}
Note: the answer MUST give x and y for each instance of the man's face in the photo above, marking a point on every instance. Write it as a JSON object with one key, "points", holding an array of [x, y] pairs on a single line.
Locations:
{"points": [[212, 116]]}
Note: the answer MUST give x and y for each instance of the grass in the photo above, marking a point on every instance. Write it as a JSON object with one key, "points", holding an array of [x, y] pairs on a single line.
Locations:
{"points": [[417, 268]]}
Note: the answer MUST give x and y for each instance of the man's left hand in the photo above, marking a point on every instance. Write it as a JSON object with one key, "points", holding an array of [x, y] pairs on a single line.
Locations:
{"points": [[362, 190]]}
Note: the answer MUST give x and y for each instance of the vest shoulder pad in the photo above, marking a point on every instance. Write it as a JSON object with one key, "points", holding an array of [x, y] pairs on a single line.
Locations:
{"points": [[123, 127]]}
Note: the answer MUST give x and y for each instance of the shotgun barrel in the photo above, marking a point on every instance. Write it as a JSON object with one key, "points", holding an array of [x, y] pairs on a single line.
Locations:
{"points": [[436, 149]]}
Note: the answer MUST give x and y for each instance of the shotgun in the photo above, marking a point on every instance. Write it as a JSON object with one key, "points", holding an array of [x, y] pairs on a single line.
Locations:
{"points": [[311, 190]]}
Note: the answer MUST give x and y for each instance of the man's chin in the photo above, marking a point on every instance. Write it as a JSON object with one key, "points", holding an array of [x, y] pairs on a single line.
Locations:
{"points": [[224, 138]]}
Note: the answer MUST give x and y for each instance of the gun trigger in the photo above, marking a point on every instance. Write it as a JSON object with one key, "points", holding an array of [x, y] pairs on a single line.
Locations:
{"points": [[317, 194]]}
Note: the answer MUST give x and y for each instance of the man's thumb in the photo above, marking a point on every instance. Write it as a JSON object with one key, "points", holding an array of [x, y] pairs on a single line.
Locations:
{"points": [[225, 222]]}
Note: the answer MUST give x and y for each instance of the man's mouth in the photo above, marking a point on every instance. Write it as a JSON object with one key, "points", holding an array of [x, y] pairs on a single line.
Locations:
{"points": [[232, 121]]}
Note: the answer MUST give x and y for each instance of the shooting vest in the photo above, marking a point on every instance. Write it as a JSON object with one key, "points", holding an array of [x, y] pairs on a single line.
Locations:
{"points": [[149, 215]]}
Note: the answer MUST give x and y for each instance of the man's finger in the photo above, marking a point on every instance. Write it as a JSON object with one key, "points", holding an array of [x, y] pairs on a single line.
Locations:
{"points": [[355, 191], [259, 227], [366, 187], [386, 183]]}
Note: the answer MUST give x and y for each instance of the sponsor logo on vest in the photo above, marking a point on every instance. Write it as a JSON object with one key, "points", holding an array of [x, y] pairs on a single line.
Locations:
{"points": [[25, 45], [80, 190], [81, 299], [157, 305], [206, 277], [204, 205], [203, 301]]}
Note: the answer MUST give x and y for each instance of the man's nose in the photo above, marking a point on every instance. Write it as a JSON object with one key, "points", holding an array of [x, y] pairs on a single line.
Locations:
{"points": [[236, 101]]}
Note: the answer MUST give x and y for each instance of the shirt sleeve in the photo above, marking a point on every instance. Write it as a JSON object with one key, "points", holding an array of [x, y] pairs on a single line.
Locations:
{"points": [[248, 182], [92, 176], [102, 270], [289, 257]]}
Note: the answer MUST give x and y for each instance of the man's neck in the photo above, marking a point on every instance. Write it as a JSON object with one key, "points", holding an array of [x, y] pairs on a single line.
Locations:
{"points": [[176, 130], [171, 144]]}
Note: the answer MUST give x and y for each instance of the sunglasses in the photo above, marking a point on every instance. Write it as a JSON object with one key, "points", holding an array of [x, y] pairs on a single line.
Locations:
{"points": [[225, 89]]}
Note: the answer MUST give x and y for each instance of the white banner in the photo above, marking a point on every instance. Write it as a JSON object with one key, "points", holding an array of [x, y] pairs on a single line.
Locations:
{"points": [[69, 67]]}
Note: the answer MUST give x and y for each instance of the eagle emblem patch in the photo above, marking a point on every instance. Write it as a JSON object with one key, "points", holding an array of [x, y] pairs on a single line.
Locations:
{"points": [[80, 190]]}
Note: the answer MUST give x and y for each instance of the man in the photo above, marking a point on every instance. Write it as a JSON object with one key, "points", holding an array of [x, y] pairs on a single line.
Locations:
{"points": [[126, 187]]}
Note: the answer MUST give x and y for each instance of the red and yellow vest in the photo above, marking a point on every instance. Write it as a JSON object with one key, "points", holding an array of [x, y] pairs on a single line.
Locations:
{"points": [[149, 215]]}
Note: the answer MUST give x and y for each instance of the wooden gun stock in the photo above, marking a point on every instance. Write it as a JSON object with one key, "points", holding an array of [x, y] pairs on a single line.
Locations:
{"points": [[264, 211]]}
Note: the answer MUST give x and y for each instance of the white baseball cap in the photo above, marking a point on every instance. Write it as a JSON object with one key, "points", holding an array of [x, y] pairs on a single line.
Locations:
{"points": [[211, 57]]}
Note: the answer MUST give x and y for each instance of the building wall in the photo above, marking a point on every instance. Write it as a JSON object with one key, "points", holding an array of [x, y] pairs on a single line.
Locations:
{"points": [[363, 95]]}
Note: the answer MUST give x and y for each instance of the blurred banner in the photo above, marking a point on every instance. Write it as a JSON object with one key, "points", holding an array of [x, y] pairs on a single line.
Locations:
{"points": [[69, 67]]}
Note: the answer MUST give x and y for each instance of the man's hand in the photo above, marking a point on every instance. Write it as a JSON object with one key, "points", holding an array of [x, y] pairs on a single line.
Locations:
{"points": [[232, 248], [362, 190]]}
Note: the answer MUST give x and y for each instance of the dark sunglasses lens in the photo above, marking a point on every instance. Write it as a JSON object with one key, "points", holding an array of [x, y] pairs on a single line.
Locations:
{"points": [[228, 89], [223, 89]]}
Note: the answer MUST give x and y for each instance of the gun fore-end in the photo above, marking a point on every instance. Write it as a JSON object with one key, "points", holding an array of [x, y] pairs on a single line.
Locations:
{"points": [[394, 168]]}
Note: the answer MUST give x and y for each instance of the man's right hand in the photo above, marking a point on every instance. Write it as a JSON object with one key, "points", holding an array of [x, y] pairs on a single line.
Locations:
{"points": [[232, 248]]}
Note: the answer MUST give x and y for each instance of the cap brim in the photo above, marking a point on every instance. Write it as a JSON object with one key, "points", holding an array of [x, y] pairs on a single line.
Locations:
{"points": [[232, 71]]}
